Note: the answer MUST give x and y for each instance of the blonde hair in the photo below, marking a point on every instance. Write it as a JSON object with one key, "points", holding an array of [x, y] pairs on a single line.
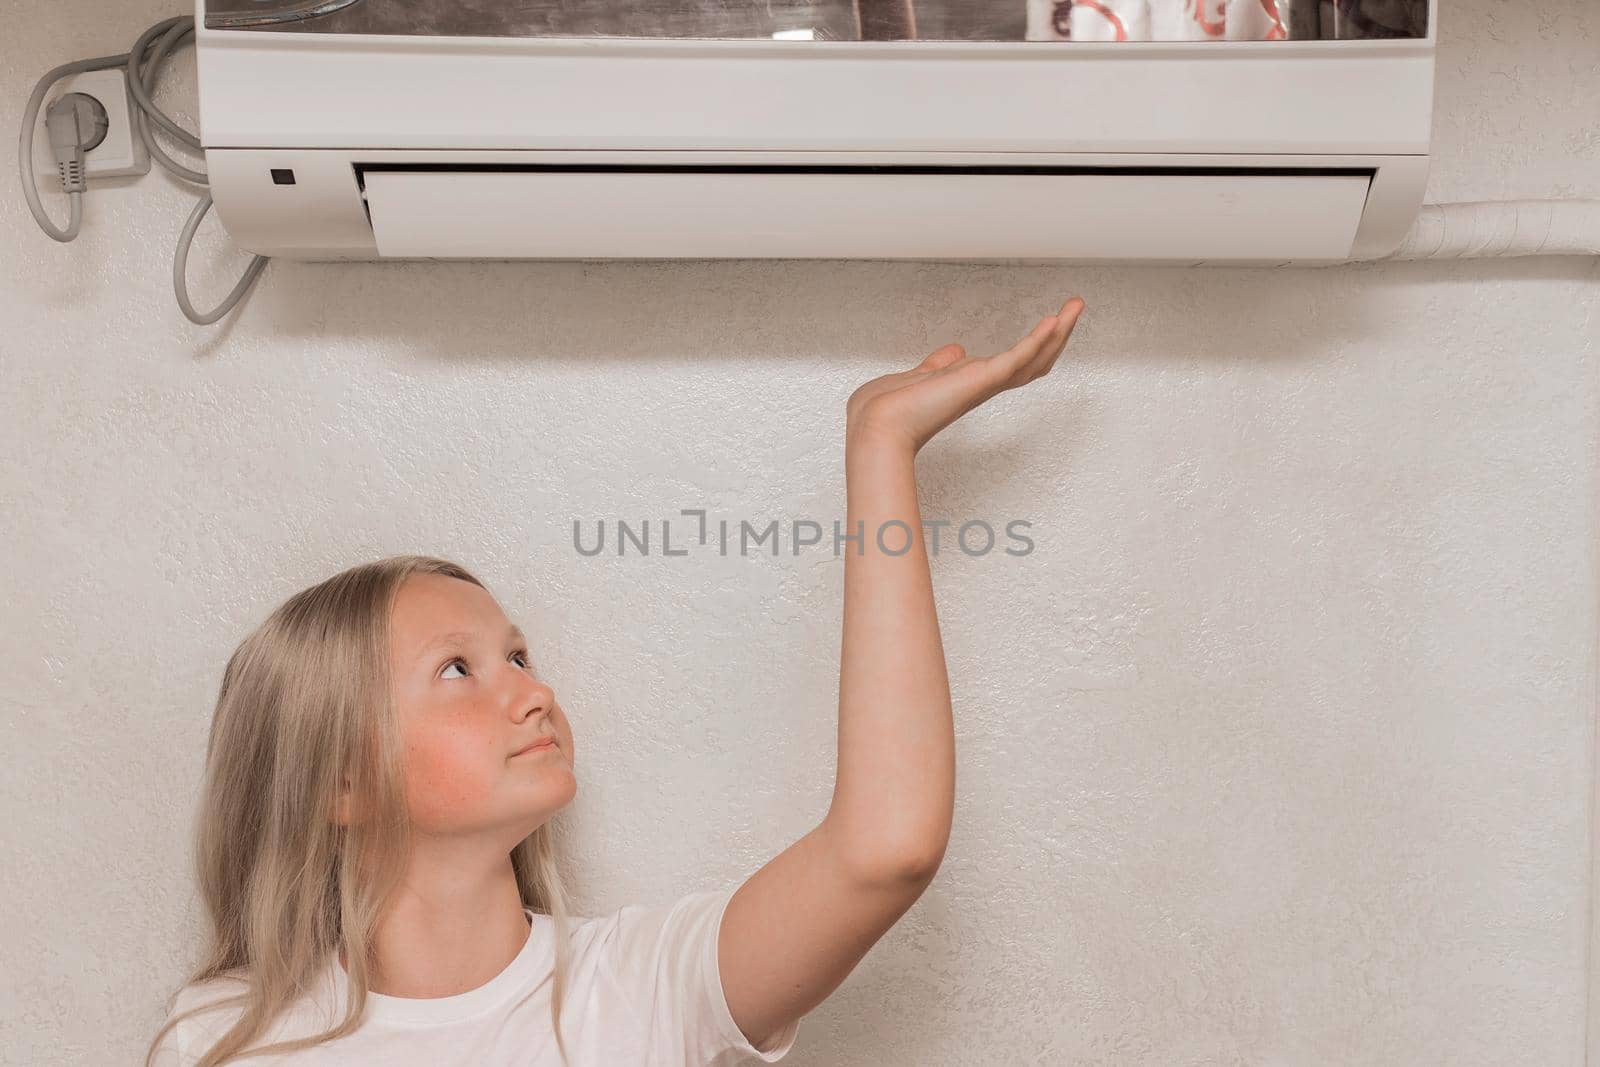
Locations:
{"points": [[304, 705]]}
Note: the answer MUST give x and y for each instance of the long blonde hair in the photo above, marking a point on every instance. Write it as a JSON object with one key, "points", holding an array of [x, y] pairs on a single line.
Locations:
{"points": [[304, 706]]}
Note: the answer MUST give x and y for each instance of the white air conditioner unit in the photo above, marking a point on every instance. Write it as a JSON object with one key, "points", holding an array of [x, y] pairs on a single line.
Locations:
{"points": [[360, 130]]}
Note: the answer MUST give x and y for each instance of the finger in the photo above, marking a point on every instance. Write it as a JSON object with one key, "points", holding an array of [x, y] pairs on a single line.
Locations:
{"points": [[1067, 320], [1029, 346], [995, 374], [1045, 358], [1013, 367], [941, 358], [1007, 368]]}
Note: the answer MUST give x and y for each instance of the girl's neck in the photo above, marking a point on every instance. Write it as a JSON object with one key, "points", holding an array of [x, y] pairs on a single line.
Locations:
{"points": [[448, 930]]}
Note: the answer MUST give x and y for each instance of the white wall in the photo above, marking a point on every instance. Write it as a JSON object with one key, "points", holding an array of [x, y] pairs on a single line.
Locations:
{"points": [[1277, 749]]}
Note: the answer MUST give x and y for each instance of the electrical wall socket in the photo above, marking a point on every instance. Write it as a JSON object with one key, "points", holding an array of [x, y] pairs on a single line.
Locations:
{"points": [[121, 153]]}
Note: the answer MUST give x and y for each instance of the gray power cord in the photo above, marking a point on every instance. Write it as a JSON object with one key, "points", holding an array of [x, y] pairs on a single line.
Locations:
{"points": [[74, 128]]}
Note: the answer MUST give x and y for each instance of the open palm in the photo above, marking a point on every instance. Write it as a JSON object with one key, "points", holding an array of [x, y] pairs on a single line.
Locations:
{"points": [[910, 407]]}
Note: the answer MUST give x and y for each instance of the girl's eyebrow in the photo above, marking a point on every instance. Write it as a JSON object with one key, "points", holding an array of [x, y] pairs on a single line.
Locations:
{"points": [[457, 637]]}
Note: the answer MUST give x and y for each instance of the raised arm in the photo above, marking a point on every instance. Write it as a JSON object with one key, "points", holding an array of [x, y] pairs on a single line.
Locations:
{"points": [[799, 925]]}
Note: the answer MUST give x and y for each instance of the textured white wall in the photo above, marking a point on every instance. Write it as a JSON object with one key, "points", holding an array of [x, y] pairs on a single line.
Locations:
{"points": [[1276, 750]]}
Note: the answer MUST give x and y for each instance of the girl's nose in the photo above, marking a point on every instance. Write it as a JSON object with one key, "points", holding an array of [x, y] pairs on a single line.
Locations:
{"points": [[533, 697]]}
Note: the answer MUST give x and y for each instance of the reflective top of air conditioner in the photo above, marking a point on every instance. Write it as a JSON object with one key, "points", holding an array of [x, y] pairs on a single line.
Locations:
{"points": [[844, 20]]}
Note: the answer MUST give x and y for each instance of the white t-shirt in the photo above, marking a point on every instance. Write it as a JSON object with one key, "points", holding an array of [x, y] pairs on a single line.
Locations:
{"points": [[645, 991]]}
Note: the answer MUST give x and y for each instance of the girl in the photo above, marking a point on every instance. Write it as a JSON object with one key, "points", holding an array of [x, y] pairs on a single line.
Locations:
{"points": [[374, 846]]}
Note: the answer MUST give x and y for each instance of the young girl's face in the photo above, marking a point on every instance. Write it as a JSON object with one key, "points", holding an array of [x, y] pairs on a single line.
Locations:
{"points": [[468, 698]]}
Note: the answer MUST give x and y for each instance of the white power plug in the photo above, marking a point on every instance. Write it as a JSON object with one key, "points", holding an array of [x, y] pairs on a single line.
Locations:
{"points": [[122, 153]]}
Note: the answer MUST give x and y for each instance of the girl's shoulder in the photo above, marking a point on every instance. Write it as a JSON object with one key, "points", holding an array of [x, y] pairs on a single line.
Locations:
{"points": [[210, 1009], [206, 1009]]}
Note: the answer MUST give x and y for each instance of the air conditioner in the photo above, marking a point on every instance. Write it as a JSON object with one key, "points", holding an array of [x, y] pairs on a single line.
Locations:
{"points": [[358, 130]]}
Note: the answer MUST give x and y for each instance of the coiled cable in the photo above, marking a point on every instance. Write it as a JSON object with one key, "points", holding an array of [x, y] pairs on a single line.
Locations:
{"points": [[142, 63]]}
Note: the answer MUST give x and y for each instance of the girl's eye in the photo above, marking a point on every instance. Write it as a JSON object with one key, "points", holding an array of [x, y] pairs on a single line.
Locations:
{"points": [[525, 664]]}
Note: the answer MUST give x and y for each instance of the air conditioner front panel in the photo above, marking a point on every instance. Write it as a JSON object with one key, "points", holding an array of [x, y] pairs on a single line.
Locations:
{"points": [[337, 91], [692, 214]]}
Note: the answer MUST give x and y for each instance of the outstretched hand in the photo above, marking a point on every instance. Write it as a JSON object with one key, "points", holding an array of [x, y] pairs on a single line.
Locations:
{"points": [[909, 407]]}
